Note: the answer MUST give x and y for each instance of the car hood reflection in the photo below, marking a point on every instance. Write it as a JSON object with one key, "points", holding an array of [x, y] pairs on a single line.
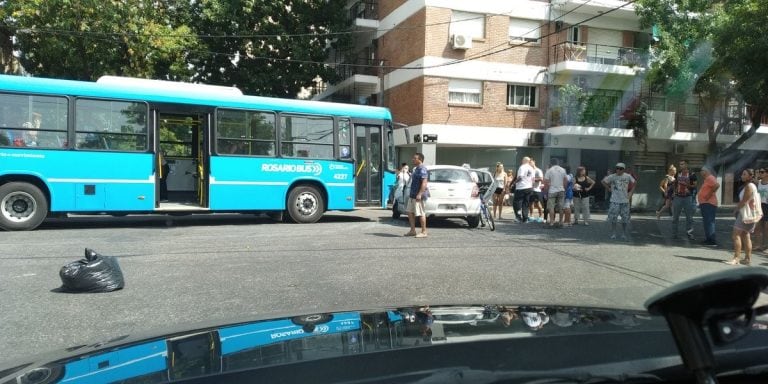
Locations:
{"points": [[319, 336]]}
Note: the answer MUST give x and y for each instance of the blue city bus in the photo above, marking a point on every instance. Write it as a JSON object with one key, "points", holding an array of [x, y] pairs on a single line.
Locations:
{"points": [[124, 145]]}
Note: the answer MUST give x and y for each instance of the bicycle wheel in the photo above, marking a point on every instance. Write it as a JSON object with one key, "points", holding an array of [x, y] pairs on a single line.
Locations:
{"points": [[483, 216], [491, 224]]}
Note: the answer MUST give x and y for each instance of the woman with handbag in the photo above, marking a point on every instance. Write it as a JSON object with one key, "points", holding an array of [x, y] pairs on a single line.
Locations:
{"points": [[748, 213]]}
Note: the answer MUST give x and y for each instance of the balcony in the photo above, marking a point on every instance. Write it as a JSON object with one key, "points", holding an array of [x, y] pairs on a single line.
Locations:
{"points": [[358, 81], [582, 57], [364, 14]]}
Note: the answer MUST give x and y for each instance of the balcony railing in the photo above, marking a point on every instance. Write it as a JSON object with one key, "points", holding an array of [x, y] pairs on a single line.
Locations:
{"points": [[364, 9], [358, 67], [600, 54]]}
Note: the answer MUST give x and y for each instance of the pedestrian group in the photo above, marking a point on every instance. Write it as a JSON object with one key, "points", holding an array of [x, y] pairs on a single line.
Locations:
{"points": [[532, 190]]}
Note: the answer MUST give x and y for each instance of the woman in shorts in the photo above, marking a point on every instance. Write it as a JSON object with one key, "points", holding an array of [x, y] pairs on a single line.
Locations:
{"points": [[498, 195]]}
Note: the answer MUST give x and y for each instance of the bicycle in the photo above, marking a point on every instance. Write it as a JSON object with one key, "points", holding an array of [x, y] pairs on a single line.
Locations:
{"points": [[486, 217]]}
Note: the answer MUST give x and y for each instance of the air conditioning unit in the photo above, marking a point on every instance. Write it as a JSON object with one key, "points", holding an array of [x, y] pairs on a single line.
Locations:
{"points": [[462, 41], [539, 139], [679, 148]]}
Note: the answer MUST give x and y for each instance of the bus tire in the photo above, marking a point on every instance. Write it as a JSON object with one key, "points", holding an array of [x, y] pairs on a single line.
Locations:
{"points": [[305, 204], [23, 206]]}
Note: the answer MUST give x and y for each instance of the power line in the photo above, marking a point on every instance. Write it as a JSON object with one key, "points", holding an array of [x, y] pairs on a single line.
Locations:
{"points": [[535, 29], [55, 31], [457, 61], [476, 56], [523, 43]]}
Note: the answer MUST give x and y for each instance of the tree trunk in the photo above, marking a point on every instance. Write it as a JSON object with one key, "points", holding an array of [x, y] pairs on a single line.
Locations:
{"points": [[731, 152]]}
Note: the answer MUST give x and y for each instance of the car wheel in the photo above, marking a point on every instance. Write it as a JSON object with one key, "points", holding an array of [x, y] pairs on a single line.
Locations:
{"points": [[22, 206], [473, 221]]}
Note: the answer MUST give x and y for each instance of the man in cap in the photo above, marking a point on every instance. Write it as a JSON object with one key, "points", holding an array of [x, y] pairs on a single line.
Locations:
{"points": [[621, 186]]}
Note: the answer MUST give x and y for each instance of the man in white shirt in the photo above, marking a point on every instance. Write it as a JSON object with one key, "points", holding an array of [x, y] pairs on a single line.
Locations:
{"points": [[556, 179], [523, 190]]}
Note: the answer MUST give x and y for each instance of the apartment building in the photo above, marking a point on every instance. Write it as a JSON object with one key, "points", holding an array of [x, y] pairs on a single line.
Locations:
{"points": [[496, 80]]}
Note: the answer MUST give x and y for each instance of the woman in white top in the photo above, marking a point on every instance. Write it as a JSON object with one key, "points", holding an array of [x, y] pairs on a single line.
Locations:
{"points": [[741, 230], [403, 176], [498, 194]]}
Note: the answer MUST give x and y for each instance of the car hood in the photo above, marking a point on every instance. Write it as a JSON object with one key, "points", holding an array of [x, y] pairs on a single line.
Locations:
{"points": [[378, 342], [243, 345]]}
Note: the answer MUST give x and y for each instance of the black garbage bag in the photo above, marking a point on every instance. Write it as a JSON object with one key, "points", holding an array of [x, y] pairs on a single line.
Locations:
{"points": [[94, 273]]}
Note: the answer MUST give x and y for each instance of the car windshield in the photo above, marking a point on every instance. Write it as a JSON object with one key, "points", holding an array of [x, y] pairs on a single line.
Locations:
{"points": [[449, 176], [175, 166]]}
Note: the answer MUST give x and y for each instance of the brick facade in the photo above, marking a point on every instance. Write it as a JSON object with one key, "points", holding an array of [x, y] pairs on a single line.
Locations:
{"points": [[438, 41], [406, 101], [405, 43], [425, 101], [387, 6]]}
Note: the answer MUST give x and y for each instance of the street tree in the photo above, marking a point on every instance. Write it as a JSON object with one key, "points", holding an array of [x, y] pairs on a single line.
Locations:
{"points": [[84, 39], [264, 47], [8, 62], [709, 49]]}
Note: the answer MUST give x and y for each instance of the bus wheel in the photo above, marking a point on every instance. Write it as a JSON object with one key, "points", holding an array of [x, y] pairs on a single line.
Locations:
{"points": [[305, 204], [22, 206]]}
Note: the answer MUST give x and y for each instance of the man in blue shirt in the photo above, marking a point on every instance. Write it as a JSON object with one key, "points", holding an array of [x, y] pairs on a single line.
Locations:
{"points": [[418, 195]]}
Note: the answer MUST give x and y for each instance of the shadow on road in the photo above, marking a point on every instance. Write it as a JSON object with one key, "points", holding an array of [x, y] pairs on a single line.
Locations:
{"points": [[696, 258], [163, 221], [644, 231]]}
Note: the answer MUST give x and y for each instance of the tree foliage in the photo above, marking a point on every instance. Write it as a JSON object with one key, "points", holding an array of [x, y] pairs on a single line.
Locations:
{"points": [[715, 50], [246, 43], [275, 44], [85, 39]]}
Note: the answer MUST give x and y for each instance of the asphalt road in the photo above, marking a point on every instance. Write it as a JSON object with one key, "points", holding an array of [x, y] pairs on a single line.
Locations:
{"points": [[220, 268]]}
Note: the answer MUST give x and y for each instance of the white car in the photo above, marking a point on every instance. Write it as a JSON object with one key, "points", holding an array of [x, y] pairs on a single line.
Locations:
{"points": [[451, 194]]}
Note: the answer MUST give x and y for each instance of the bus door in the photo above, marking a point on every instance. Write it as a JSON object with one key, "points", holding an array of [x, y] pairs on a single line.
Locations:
{"points": [[368, 165], [182, 160]]}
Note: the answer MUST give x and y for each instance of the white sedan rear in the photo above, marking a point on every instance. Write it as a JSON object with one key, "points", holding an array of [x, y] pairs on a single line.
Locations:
{"points": [[451, 194]]}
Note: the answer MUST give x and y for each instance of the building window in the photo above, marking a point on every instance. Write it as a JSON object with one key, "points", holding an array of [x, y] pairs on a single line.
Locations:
{"points": [[465, 92], [469, 24], [575, 36], [522, 96], [524, 30]]}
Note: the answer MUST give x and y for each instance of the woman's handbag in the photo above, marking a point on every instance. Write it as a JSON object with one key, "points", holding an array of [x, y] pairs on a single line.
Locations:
{"points": [[751, 212]]}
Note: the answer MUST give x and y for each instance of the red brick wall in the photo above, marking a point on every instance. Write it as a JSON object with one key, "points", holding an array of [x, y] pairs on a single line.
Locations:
{"points": [[406, 102], [387, 6], [493, 112], [405, 43], [438, 41]]}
